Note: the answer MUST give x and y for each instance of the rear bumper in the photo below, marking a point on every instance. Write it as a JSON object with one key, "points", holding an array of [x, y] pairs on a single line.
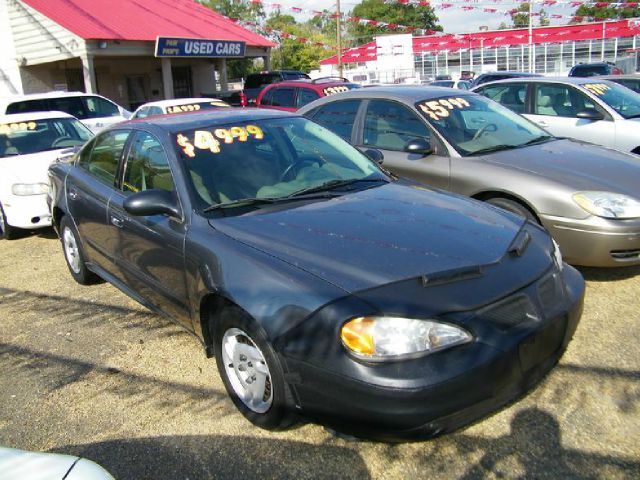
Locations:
{"points": [[496, 377], [596, 242]]}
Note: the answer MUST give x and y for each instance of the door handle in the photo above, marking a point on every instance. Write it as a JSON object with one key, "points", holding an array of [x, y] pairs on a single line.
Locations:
{"points": [[73, 194], [542, 123], [117, 221]]}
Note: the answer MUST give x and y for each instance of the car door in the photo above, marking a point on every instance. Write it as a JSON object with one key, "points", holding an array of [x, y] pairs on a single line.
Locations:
{"points": [[151, 248], [555, 107], [89, 189], [388, 126]]}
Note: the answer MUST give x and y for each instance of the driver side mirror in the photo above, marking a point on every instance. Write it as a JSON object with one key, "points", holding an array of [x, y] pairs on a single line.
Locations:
{"points": [[374, 155], [419, 146], [590, 114], [152, 202]]}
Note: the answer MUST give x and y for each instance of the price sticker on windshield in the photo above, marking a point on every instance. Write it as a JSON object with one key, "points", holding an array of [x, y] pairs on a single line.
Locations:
{"points": [[333, 90], [597, 88], [214, 140], [7, 128], [183, 108], [439, 109]]}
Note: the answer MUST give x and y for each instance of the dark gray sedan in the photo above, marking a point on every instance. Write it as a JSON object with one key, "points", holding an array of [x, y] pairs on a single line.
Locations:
{"points": [[585, 195]]}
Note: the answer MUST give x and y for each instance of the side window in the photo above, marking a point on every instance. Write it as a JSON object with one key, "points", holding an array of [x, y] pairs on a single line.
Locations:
{"points": [[338, 117], [147, 165], [306, 95], [99, 107], [557, 101], [28, 106], [103, 161], [267, 97], [283, 97], [155, 111], [390, 125], [71, 105], [142, 113], [511, 95]]}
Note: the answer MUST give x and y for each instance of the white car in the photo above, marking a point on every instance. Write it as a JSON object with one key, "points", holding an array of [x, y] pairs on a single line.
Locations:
{"points": [[177, 105], [23, 465], [95, 111], [588, 109], [29, 143]]}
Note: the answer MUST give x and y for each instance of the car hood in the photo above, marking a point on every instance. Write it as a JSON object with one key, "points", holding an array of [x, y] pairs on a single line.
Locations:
{"points": [[579, 165], [30, 168], [376, 236]]}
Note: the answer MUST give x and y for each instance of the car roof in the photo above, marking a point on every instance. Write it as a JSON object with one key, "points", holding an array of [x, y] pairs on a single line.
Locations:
{"points": [[30, 116], [566, 80], [52, 94], [212, 117], [178, 101], [510, 73], [408, 93]]}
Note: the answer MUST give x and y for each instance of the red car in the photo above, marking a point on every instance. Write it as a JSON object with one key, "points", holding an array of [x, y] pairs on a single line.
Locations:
{"points": [[292, 95]]}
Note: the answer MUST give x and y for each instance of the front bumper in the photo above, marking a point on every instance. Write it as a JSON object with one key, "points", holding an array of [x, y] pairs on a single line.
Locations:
{"points": [[595, 241], [441, 392], [29, 211]]}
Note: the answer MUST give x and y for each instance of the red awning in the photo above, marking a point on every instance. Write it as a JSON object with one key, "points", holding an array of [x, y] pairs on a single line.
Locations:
{"points": [[143, 20]]}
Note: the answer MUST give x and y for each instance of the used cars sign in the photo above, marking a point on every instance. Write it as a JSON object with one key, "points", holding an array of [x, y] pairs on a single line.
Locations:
{"points": [[191, 47]]}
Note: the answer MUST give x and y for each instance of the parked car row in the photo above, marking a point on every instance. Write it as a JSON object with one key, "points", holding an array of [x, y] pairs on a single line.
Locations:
{"points": [[331, 260]]}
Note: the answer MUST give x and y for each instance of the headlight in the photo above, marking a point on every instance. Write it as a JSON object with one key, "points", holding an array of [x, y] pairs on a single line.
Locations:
{"points": [[607, 204], [24, 189], [389, 338], [557, 255]]}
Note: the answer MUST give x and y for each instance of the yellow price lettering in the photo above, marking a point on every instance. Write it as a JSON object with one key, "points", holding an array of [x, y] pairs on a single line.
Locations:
{"points": [[205, 140], [224, 134], [240, 133], [255, 131], [187, 146]]}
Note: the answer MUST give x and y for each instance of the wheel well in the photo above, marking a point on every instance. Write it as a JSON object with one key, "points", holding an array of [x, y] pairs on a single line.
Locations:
{"points": [[636, 150], [484, 196], [211, 306], [58, 213]]}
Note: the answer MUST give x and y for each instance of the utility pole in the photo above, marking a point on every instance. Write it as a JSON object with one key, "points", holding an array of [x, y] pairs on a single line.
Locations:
{"points": [[531, 57], [339, 36]]}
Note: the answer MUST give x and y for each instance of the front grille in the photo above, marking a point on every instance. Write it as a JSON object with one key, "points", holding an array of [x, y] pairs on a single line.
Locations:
{"points": [[511, 312]]}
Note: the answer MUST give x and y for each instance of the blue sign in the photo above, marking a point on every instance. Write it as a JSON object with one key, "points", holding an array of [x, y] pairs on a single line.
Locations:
{"points": [[191, 47]]}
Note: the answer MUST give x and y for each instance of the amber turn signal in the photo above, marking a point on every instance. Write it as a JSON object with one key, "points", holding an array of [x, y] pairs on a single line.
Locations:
{"points": [[357, 336]]}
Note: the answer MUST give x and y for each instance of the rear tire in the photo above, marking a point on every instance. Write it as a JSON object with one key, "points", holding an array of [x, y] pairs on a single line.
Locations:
{"points": [[7, 232], [251, 371], [513, 207], [73, 253]]}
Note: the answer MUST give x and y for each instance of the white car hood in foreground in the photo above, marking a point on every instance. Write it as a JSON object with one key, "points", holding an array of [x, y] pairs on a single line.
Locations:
{"points": [[30, 168], [23, 465]]}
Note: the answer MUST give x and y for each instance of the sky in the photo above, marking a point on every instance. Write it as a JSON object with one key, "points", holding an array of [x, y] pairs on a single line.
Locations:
{"points": [[452, 20]]}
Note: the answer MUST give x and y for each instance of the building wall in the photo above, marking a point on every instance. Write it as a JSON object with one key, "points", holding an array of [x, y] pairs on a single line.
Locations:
{"points": [[10, 81]]}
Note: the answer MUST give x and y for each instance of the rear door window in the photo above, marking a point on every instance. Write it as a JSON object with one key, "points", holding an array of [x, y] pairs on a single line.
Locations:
{"points": [[338, 117], [306, 95], [97, 107], [267, 97], [283, 97], [105, 156], [27, 106], [71, 105], [512, 95]]}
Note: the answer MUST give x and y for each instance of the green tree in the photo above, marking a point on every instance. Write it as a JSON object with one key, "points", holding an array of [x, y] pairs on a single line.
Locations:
{"points": [[300, 53], [520, 17], [243, 11], [409, 15], [605, 13]]}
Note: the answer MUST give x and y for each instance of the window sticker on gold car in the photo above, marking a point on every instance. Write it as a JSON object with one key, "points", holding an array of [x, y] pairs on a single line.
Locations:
{"points": [[213, 140], [597, 88], [333, 90], [438, 109], [183, 108], [6, 128]]}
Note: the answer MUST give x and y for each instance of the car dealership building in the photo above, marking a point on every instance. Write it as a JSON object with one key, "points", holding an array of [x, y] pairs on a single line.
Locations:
{"points": [[131, 51]]}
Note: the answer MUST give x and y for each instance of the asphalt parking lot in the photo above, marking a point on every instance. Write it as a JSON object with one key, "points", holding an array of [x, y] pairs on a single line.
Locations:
{"points": [[87, 371]]}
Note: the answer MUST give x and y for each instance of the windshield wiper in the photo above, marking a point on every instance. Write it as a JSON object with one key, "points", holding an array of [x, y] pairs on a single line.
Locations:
{"points": [[494, 148], [239, 202], [331, 184], [540, 139]]}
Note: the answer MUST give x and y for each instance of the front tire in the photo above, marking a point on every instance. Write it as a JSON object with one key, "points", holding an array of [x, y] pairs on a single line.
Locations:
{"points": [[7, 232], [513, 207], [251, 371], [73, 253]]}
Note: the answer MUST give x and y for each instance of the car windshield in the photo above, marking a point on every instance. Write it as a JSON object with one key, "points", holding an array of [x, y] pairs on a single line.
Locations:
{"points": [[195, 106], [474, 125], [269, 159], [32, 136], [621, 99]]}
